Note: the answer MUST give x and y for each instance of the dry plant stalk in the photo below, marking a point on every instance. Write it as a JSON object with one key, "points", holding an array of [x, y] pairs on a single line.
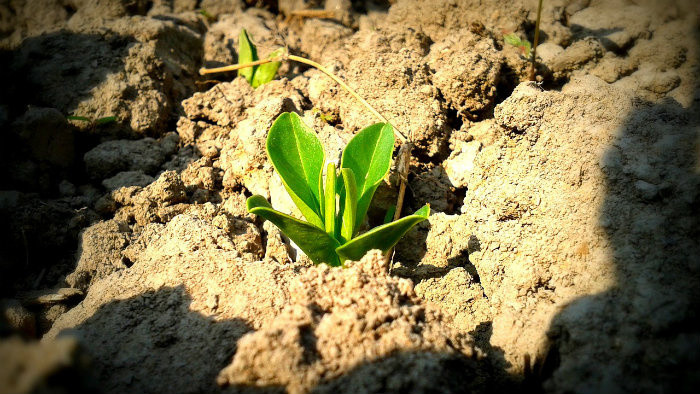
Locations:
{"points": [[534, 44]]}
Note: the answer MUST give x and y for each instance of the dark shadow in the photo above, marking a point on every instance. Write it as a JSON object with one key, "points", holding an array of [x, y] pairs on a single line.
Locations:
{"points": [[643, 334], [414, 372], [46, 196], [503, 381], [154, 343], [43, 80]]}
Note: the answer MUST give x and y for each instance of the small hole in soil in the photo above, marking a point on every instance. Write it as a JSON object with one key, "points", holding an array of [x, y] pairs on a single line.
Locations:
{"points": [[70, 10], [453, 119], [138, 8], [128, 263], [460, 194]]}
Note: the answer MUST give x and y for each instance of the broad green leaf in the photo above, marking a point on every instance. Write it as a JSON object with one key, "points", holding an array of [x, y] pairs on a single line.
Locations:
{"points": [[389, 216], [329, 205], [246, 54], [319, 246], [297, 155], [349, 202], [368, 155], [383, 237], [266, 72]]}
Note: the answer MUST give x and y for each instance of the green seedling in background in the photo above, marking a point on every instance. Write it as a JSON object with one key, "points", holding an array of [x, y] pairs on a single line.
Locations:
{"points": [[326, 117], [248, 53], [524, 45], [96, 122], [330, 234], [206, 14]]}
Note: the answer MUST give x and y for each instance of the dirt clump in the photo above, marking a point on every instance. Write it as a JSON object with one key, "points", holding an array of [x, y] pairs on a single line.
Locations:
{"points": [[137, 323], [44, 367], [339, 320]]}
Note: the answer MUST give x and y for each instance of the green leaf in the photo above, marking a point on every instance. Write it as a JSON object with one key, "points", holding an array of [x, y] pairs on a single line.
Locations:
{"points": [[383, 237], [246, 54], [298, 157], [329, 205], [106, 120], [368, 155], [349, 202], [206, 14], [80, 118], [319, 246], [526, 47], [511, 39], [389, 216], [266, 72]]}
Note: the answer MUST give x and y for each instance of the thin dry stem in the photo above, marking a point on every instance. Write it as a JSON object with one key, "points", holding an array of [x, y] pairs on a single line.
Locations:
{"points": [[234, 67], [312, 14], [534, 44]]}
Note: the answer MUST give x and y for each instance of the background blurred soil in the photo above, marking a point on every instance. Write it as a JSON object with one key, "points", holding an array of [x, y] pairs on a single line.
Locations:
{"points": [[562, 254]]}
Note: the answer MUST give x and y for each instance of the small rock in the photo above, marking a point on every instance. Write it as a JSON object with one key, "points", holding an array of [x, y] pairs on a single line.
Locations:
{"points": [[50, 296], [111, 157], [460, 164], [127, 178]]}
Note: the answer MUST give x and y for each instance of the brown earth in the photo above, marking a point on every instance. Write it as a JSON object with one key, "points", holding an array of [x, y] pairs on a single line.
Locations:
{"points": [[562, 254]]}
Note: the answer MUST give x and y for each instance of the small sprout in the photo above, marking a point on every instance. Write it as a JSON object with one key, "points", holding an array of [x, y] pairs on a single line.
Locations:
{"points": [[80, 118], [336, 209], [248, 53], [514, 40], [97, 122], [326, 117], [206, 14], [106, 120]]}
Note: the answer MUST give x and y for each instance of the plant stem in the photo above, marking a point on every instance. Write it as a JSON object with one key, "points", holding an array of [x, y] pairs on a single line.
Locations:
{"points": [[404, 162], [234, 67], [397, 132], [534, 44], [404, 155]]}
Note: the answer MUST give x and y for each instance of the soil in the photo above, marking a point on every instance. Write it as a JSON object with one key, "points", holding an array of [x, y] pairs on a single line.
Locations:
{"points": [[562, 253]]}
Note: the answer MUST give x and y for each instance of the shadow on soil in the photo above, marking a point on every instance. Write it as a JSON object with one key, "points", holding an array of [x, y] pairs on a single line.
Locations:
{"points": [[41, 148], [644, 332], [149, 342], [145, 343]]}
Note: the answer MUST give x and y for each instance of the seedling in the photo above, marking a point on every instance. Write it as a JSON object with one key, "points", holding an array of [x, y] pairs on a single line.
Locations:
{"points": [[336, 209], [96, 122], [206, 14], [326, 117], [247, 53], [514, 40], [404, 155], [529, 51]]}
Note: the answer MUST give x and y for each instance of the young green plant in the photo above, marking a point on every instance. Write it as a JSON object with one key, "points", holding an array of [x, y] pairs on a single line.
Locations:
{"points": [[247, 53], [404, 155], [334, 210], [522, 44]]}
